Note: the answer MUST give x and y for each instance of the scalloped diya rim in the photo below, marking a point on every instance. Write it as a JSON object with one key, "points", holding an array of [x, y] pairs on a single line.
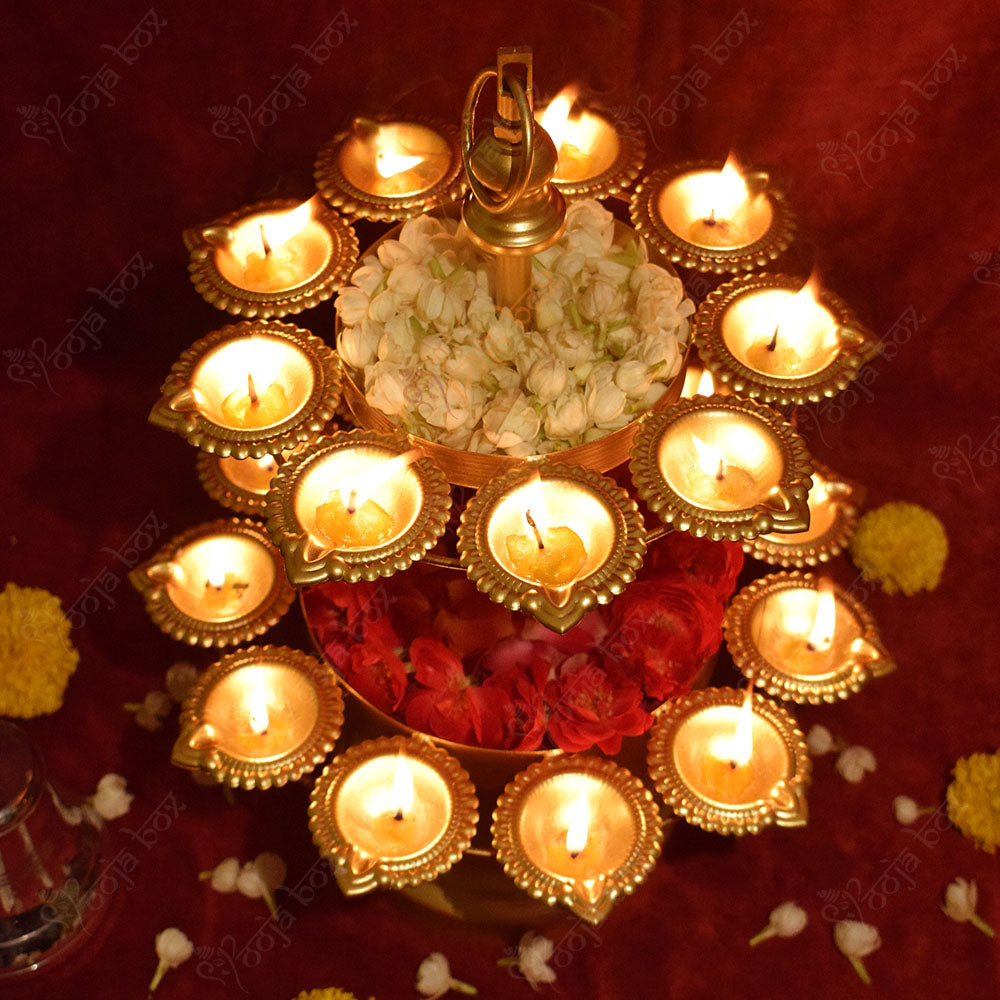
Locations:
{"points": [[647, 222], [176, 409], [786, 804], [239, 772], [858, 345], [223, 294], [223, 490], [733, 525], [619, 176], [847, 496], [357, 204], [306, 563], [606, 581], [197, 631], [594, 903], [358, 873], [857, 671]]}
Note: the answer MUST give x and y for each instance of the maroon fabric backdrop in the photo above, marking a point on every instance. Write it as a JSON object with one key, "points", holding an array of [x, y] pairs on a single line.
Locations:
{"points": [[895, 221]]}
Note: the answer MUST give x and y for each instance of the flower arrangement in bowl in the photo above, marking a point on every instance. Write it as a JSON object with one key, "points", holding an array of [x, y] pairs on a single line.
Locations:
{"points": [[428, 350], [431, 653]]}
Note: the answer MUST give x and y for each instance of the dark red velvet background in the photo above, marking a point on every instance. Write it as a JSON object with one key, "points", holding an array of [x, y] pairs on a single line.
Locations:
{"points": [[82, 468]]}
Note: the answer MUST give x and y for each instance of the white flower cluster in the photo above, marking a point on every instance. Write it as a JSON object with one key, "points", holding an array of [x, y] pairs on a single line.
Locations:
{"points": [[419, 319]]}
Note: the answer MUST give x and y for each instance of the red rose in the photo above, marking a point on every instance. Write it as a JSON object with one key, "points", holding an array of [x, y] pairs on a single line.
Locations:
{"points": [[446, 703], [588, 706], [679, 557], [377, 674], [661, 634], [518, 670]]}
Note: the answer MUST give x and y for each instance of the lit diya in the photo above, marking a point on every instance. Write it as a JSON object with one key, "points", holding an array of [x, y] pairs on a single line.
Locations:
{"points": [[252, 389], [553, 540], [579, 831], [833, 514], [216, 584], [241, 484], [596, 158], [722, 467], [804, 639], [274, 258], [711, 219], [730, 761], [775, 338], [390, 170], [358, 506], [260, 716], [391, 813]]}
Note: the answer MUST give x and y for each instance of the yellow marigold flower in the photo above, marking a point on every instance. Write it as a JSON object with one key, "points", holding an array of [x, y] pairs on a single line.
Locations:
{"points": [[974, 799], [36, 656], [330, 993], [901, 544]]}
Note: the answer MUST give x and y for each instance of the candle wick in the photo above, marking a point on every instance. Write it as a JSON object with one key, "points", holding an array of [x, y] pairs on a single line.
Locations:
{"points": [[263, 240], [252, 389], [710, 221], [774, 341], [574, 854], [534, 528], [721, 474], [352, 501], [399, 816], [733, 765]]}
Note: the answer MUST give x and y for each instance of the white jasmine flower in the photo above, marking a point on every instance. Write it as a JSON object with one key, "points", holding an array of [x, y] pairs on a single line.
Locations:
{"points": [[785, 920], [819, 740], [566, 417], [482, 310], [621, 339], [572, 261], [549, 310], [601, 300], [179, 678], [660, 349], [605, 401], [111, 800], [150, 712], [905, 810], [503, 337], [467, 363], [434, 350], [416, 235], [439, 305], [172, 948], [649, 399], [386, 389], [510, 420], [368, 277], [391, 253], [856, 940], [633, 378], [259, 878], [434, 978], [406, 280], [853, 762], [398, 342], [531, 960], [351, 305], [571, 345], [547, 378], [383, 306], [960, 899], [223, 876], [358, 345]]}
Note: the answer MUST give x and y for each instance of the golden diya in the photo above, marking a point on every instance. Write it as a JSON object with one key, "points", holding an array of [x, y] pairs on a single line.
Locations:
{"points": [[579, 831], [730, 761], [358, 506], [595, 159], [241, 484], [777, 339], [390, 170], [552, 540], [216, 584], [260, 716], [274, 258], [392, 812], [723, 467], [834, 503], [714, 219], [250, 390], [804, 639]]}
